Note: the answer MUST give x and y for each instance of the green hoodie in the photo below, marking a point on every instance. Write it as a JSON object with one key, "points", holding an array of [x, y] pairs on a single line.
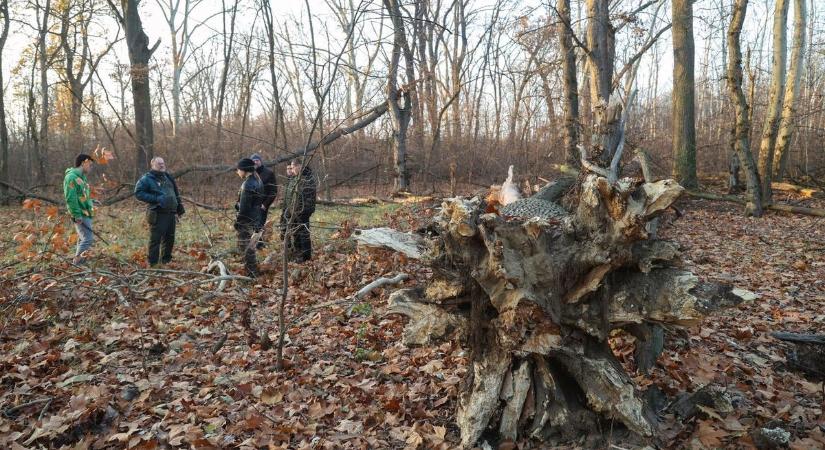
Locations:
{"points": [[77, 192]]}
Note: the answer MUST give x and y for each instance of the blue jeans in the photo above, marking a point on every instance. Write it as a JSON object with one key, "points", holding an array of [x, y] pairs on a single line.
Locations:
{"points": [[85, 237]]}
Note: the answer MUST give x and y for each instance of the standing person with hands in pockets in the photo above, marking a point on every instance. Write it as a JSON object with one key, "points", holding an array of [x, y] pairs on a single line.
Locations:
{"points": [[250, 199], [158, 190], [78, 197], [298, 206]]}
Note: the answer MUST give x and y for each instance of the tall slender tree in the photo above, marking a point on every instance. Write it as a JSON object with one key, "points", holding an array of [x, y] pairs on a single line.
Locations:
{"points": [[684, 126], [789, 117], [741, 129], [4, 132], [777, 92], [570, 84], [399, 101]]}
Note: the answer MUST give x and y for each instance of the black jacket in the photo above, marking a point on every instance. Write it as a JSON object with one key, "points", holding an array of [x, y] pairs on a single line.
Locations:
{"points": [[249, 203], [148, 190], [303, 205], [269, 186]]}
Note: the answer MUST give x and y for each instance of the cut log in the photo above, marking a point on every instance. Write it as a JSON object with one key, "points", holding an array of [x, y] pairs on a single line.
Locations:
{"points": [[817, 212]]}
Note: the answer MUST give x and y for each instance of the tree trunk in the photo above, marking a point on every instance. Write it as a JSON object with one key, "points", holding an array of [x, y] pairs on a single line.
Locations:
{"points": [[684, 126], [42, 147], [774, 111], [536, 296], [228, 39], [139, 55], [277, 108], [601, 43], [787, 123], [399, 101], [4, 132], [570, 85], [741, 129]]}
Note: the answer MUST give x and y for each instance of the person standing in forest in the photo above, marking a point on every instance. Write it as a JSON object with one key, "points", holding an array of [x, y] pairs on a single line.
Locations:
{"points": [[298, 206], [250, 199], [270, 191], [158, 190], [78, 197]]}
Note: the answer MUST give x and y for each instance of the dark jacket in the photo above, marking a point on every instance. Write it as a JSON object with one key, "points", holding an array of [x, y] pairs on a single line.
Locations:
{"points": [[250, 198], [303, 205], [269, 185], [149, 190]]}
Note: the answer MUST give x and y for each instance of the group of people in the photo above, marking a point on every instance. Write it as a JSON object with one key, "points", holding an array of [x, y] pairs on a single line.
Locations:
{"points": [[164, 207]]}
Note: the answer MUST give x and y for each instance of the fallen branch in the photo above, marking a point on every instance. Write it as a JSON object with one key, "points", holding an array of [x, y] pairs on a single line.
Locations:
{"points": [[818, 212], [27, 193], [222, 269], [381, 282], [9, 412]]}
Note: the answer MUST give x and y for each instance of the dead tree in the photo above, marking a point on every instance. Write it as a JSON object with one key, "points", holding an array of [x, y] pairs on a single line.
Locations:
{"points": [[535, 293]]}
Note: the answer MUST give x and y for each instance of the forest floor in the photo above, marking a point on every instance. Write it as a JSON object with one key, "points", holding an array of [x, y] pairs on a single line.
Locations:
{"points": [[175, 364]]}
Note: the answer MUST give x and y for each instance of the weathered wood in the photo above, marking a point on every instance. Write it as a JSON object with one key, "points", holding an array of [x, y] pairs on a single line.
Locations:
{"points": [[544, 294], [380, 282], [407, 243], [428, 323]]}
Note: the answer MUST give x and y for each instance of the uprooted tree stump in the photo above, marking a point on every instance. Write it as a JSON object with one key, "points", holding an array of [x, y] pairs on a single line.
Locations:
{"points": [[536, 298]]}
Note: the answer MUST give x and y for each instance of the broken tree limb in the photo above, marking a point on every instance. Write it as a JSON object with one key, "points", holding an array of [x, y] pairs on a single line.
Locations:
{"points": [[817, 212], [222, 270], [380, 282], [409, 244], [27, 193]]}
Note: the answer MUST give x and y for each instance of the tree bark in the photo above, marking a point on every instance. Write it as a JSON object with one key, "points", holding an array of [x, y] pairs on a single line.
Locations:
{"points": [[139, 54], [4, 132], [684, 126], [777, 92], [570, 85], [399, 100], [741, 129], [787, 122], [601, 55]]}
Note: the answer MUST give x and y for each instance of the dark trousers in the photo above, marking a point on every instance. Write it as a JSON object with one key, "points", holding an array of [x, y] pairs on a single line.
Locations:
{"points": [[300, 244], [161, 232], [250, 261]]}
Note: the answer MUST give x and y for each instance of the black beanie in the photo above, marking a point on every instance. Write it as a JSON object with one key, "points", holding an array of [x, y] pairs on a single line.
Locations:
{"points": [[247, 165], [81, 158]]}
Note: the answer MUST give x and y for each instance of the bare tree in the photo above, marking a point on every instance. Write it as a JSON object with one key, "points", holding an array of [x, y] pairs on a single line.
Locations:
{"points": [[139, 56], [399, 101], [180, 36], [277, 108], [228, 40], [789, 117], [684, 126], [773, 115], [4, 132], [741, 129], [41, 143], [80, 64]]}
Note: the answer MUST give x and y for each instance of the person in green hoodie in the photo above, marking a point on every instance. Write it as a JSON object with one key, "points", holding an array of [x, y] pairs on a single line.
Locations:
{"points": [[78, 196]]}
